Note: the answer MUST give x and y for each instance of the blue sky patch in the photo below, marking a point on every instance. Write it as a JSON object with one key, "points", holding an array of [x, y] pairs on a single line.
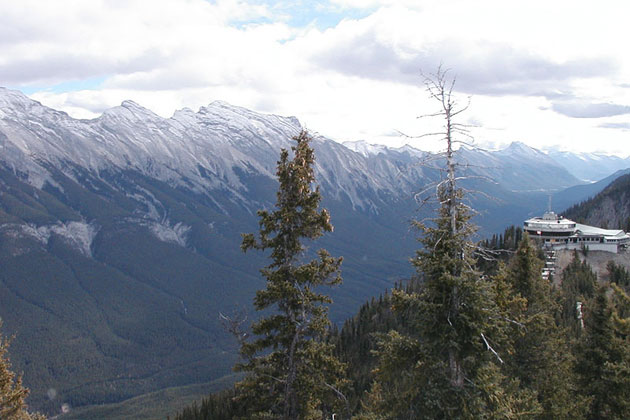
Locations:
{"points": [[69, 86], [301, 13]]}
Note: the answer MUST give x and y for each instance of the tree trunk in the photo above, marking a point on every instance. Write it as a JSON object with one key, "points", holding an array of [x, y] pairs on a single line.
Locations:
{"points": [[455, 367], [290, 399]]}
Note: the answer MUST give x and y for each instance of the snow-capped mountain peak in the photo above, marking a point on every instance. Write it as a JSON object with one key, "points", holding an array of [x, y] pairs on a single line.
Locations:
{"points": [[14, 98], [130, 111], [364, 148], [520, 148], [14, 103]]}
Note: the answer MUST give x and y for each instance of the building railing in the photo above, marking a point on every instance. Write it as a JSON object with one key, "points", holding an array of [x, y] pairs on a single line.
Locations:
{"points": [[549, 226]]}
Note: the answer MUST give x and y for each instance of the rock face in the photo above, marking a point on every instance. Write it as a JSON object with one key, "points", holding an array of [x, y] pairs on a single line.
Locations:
{"points": [[119, 236]]}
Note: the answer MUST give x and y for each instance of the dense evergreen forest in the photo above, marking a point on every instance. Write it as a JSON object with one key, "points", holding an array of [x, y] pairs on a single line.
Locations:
{"points": [[477, 333]]}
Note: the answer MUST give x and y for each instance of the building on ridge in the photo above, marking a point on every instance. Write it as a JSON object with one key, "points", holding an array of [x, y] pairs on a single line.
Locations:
{"points": [[560, 233]]}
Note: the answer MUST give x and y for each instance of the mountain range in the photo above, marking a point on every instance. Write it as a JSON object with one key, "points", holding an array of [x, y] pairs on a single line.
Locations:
{"points": [[590, 167], [119, 236]]}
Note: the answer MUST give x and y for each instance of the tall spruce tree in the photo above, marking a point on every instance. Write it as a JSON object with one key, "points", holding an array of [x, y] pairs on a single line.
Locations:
{"points": [[292, 373], [447, 366]]}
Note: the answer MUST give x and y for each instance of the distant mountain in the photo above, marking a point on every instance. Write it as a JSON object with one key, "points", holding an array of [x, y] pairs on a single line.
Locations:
{"points": [[590, 167], [609, 209], [518, 168], [119, 236]]}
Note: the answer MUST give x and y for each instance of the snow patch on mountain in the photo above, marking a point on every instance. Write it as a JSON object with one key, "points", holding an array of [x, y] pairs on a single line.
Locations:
{"points": [[175, 234], [153, 208], [412, 151], [79, 235]]}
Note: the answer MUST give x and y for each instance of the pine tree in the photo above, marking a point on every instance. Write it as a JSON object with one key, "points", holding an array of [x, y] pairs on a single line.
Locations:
{"points": [[621, 305], [604, 361], [579, 283], [447, 366], [12, 393], [618, 274], [292, 371]]}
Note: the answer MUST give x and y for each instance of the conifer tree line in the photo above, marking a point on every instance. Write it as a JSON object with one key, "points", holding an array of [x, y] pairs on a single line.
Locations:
{"points": [[465, 338]]}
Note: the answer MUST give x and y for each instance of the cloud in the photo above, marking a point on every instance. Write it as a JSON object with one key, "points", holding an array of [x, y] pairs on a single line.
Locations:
{"points": [[503, 70], [619, 126], [58, 66], [367, 56], [48, 43], [195, 43], [371, 48], [582, 109]]}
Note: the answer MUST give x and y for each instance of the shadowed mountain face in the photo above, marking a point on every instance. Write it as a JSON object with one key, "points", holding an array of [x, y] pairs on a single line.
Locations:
{"points": [[610, 208], [119, 236]]}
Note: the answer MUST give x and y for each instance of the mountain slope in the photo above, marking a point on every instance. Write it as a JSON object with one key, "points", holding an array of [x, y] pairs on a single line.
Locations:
{"points": [[572, 195], [608, 209]]}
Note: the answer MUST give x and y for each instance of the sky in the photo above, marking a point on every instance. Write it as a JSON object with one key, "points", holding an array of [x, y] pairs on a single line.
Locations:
{"points": [[551, 74]]}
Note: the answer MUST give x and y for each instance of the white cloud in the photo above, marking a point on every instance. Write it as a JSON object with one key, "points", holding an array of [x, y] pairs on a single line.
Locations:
{"points": [[585, 109], [74, 39]]}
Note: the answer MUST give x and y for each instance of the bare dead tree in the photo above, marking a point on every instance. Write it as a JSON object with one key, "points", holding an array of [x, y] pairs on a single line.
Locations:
{"points": [[451, 220], [440, 87]]}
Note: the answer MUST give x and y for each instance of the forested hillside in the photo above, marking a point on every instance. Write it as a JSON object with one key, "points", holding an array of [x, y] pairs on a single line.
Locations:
{"points": [[608, 209]]}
